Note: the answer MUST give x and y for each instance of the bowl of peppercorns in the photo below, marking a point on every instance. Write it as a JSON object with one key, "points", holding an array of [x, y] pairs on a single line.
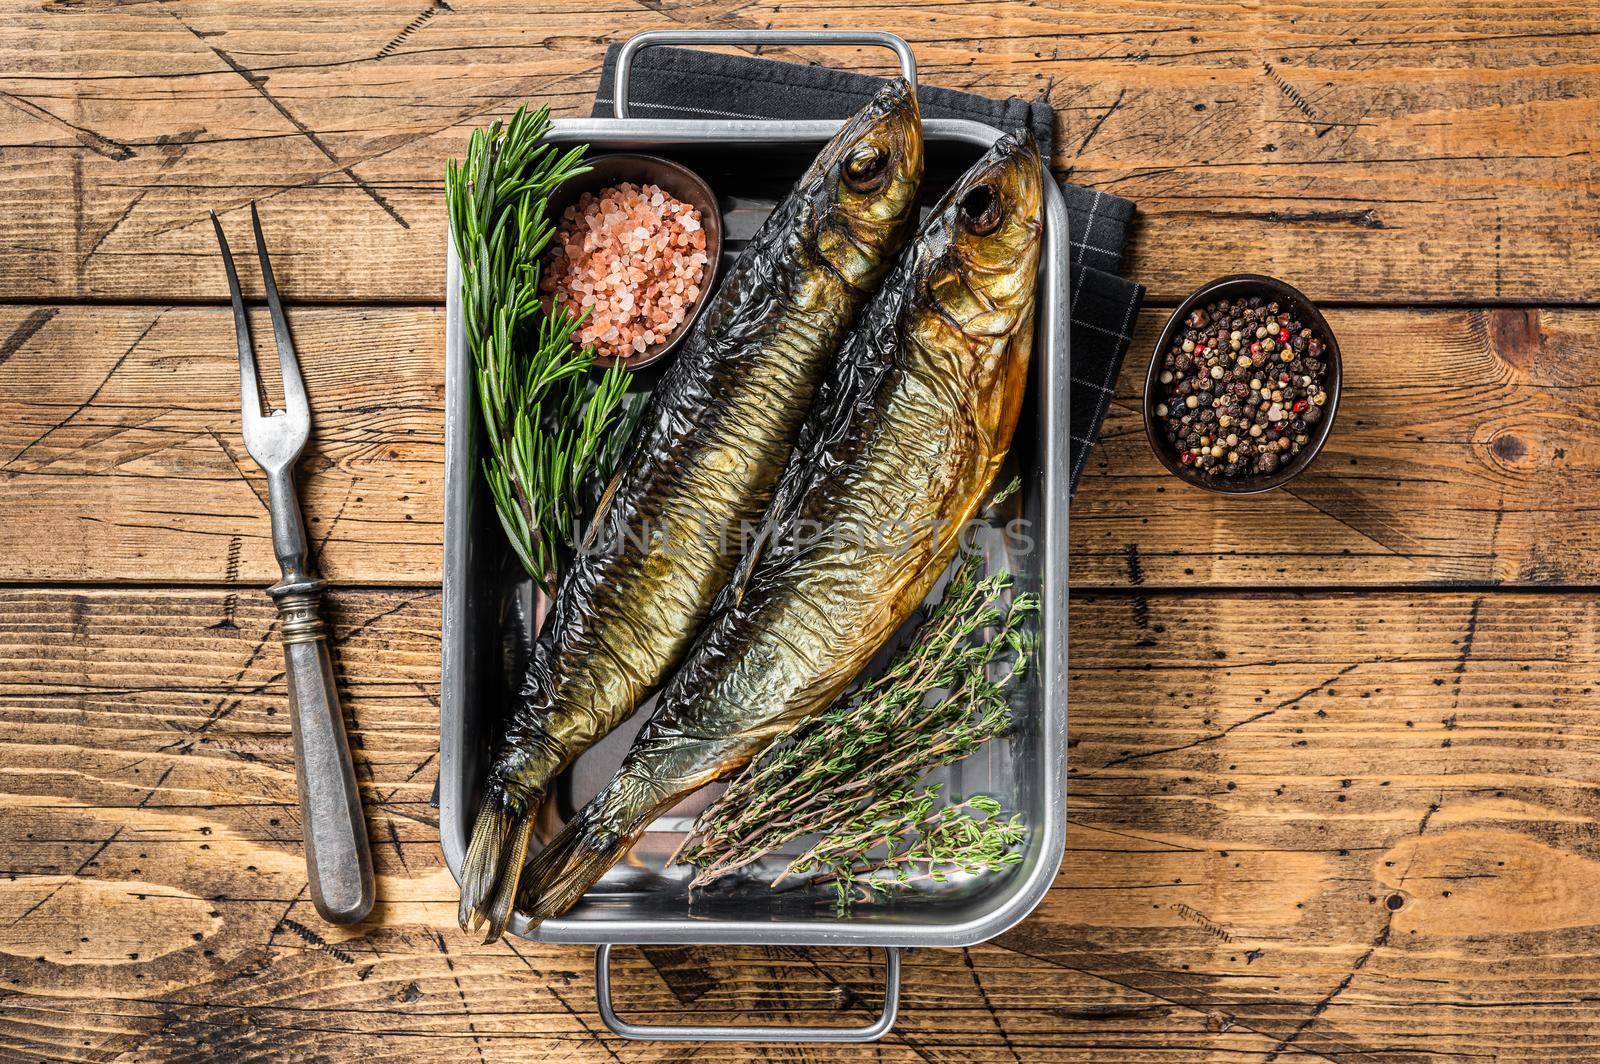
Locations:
{"points": [[1243, 386]]}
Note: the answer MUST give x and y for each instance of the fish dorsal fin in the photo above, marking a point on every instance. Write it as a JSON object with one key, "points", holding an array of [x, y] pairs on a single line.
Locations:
{"points": [[602, 506], [734, 593]]}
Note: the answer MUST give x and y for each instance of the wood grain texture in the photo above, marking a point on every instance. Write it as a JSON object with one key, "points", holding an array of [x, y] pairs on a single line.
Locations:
{"points": [[1389, 152], [1461, 454], [1466, 451], [121, 456], [1354, 833], [1332, 750], [1390, 813]]}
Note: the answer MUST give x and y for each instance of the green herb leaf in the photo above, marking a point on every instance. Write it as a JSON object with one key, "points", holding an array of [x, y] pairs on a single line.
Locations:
{"points": [[845, 774], [551, 429]]}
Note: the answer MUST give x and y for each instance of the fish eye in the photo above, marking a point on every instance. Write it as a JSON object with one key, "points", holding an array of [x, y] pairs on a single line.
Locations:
{"points": [[866, 167], [980, 209]]}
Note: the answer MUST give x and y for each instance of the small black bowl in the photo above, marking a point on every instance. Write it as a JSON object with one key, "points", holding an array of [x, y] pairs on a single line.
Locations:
{"points": [[677, 181], [1244, 285]]}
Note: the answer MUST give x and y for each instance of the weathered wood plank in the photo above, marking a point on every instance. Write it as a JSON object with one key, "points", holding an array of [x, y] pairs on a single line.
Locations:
{"points": [[1462, 454], [1371, 152], [1370, 813], [120, 453], [1358, 828], [1465, 451], [152, 837]]}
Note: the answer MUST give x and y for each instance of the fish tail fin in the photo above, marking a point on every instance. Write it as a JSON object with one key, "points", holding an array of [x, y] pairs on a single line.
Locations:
{"points": [[585, 850], [493, 865]]}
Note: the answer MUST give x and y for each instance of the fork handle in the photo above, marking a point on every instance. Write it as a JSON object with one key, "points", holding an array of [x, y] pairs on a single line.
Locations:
{"points": [[338, 862]]}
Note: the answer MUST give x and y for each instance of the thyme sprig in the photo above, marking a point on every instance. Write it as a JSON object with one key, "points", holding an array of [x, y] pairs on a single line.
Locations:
{"points": [[920, 839], [550, 428], [935, 704]]}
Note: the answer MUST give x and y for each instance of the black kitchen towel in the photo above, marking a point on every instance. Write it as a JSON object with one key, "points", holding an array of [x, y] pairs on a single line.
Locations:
{"points": [[687, 83]]}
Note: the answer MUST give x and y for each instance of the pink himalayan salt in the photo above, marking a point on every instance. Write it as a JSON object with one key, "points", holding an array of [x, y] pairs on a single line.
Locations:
{"points": [[634, 258]]}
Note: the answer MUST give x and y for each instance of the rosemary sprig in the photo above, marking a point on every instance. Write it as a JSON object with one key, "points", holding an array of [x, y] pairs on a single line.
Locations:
{"points": [[919, 841], [549, 427], [934, 705]]}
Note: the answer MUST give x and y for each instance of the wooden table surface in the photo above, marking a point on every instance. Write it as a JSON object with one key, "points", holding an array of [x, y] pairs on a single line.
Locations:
{"points": [[1333, 749]]}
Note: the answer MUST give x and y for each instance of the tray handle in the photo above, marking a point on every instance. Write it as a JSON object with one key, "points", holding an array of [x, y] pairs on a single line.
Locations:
{"points": [[712, 1033], [651, 38]]}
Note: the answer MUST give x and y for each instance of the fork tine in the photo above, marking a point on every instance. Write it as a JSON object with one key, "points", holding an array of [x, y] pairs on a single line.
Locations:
{"points": [[249, 387], [294, 386]]}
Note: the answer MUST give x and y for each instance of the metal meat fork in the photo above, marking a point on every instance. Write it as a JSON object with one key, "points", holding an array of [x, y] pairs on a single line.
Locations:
{"points": [[338, 864]]}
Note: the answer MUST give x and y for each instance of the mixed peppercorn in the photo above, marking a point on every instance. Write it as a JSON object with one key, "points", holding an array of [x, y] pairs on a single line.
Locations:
{"points": [[1241, 387]]}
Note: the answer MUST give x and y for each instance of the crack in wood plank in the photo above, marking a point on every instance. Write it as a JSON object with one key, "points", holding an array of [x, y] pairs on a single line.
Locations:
{"points": [[95, 394], [95, 142], [258, 82]]}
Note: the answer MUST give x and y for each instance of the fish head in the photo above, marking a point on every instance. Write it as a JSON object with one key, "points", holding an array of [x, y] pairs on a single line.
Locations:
{"points": [[977, 265], [866, 183], [990, 225]]}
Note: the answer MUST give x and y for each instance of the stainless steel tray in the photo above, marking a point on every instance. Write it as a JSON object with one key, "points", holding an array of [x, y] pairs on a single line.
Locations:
{"points": [[488, 613]]}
